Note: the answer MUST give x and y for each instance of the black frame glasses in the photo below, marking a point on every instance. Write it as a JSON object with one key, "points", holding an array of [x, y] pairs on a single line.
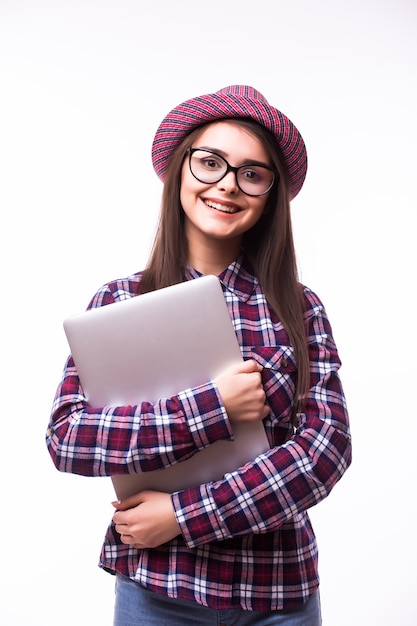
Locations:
{"points": [[239, 172]]}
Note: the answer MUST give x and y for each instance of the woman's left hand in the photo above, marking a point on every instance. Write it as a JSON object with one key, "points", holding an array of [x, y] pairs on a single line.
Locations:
{"points": [[146, 520]]}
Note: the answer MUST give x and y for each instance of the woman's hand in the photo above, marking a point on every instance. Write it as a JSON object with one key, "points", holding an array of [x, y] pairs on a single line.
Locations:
{"points": [[243, 395], [146, 520]]}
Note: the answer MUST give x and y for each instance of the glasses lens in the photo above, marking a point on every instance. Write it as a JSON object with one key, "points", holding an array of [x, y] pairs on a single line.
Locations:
{"points": [[255, 180], [207, 167]]}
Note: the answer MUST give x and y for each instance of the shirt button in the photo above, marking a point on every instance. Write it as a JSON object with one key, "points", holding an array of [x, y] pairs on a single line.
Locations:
{"points": [[284, 362], [51, 431]]}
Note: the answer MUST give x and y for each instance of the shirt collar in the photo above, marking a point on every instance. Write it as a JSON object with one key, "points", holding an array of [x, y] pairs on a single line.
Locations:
{"points": [[235, 278]]}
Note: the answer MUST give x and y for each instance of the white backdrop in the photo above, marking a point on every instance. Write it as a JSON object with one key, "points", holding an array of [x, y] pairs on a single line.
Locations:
{"points": [[84, 84]]}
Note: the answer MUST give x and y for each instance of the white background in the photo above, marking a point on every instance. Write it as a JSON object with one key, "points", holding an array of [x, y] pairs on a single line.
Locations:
{"points": [[84, 85]]}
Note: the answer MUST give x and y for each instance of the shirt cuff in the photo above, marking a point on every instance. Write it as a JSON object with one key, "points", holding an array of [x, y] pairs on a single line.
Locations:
{"points": [[206, 415], [197, 516]]}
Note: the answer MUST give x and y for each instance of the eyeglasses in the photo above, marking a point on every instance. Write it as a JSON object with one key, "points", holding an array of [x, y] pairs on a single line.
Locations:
{"points": [[209, 167]]}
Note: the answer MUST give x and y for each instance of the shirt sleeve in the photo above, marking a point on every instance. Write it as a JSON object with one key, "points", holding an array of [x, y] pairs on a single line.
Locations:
{"points": [[290, 478], [106, 441]]}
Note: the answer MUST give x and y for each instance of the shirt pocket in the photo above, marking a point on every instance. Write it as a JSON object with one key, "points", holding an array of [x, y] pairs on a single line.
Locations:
{"points": [[279, 378]]}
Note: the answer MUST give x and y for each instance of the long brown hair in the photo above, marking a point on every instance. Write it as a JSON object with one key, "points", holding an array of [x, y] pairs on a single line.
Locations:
{"points": [[268, 247]]}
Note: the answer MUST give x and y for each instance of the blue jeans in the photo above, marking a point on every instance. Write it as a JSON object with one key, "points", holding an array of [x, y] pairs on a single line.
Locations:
{"points": [[137, 606]]}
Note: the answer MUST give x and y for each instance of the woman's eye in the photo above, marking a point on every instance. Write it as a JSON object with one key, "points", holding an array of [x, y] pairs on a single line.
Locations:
{"points": [[211, 164], [252, 175]]}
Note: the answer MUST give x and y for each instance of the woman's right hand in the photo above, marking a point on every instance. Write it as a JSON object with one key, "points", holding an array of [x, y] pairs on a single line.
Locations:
{"points": [[242, 393]]}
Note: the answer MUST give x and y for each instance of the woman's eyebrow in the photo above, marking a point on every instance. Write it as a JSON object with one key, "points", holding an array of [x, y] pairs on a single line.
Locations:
{"points": [[225, 155]]}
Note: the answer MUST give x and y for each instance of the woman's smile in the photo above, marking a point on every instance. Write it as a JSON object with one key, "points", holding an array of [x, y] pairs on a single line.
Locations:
{"points": [[229, 208]]}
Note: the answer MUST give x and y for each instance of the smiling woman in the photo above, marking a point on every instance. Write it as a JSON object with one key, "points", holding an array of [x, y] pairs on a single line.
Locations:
{"points": [[241, 548]]}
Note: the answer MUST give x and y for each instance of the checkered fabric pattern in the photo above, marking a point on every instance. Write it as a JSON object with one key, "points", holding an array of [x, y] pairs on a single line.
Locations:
{"points": [[246, 540]]}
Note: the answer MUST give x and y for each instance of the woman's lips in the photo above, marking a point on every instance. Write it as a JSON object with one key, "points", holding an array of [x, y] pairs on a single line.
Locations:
{"points": [[224, 208]]}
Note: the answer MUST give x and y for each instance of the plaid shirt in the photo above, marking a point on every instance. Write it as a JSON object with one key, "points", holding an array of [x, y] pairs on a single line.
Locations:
{"points": [[246, 540]]}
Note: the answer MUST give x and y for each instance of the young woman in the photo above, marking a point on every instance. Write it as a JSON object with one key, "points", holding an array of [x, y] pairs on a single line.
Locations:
{"points": [[240, 550]]}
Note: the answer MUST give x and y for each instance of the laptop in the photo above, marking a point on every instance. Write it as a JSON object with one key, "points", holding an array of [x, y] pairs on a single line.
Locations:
{"points": [[152, 347]]}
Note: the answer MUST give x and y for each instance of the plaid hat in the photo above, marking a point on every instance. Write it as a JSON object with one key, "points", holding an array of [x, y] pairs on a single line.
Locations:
{"points": [[233, 101]]}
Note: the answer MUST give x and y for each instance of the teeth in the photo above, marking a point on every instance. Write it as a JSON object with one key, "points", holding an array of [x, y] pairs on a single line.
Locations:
{"points": [[221, 207]]}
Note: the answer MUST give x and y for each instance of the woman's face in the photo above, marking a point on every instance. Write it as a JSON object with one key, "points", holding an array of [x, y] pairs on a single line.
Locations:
{"points": [[220, 212]]}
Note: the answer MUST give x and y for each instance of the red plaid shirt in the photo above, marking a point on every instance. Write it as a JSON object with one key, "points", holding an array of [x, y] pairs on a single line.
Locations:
{"points": [[246, 540]]}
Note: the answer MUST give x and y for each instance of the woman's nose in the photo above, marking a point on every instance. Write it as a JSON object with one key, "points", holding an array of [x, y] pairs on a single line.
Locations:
{"points": [[228, 183]]}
